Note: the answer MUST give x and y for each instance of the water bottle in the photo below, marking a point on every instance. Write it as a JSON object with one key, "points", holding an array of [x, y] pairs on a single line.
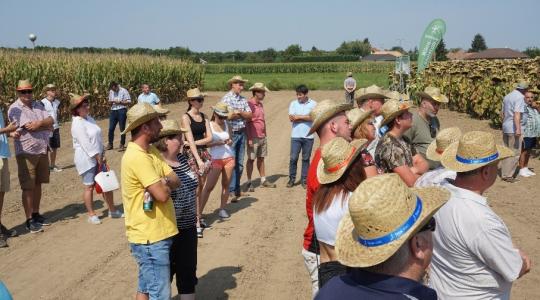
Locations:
{"points": [[148, 202]]}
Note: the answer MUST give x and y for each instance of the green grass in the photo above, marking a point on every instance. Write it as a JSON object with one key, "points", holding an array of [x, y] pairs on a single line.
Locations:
{"points": [[288, 81]]}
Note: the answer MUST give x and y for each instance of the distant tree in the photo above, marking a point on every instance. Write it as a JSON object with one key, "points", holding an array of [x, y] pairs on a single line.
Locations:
{"points": [[532, 52], [292, 50], [315, 52], [440, 52], [398, 48], [354, 48], [268, 55], [413, 54], [478, 43], [454, 50], [366, 41]]}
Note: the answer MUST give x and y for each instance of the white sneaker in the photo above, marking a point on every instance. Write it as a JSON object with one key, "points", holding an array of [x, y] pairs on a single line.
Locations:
{"points": [[116, 215], [525, 172], [56, 169], [94, 220], [223, 214], [530, 172]]}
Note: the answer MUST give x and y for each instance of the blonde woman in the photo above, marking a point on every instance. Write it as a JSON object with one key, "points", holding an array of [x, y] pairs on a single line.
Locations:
{"points": [[363, 127]]}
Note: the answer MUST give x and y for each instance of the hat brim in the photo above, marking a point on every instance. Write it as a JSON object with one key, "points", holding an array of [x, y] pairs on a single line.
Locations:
{"points": [[353, 254], [168, 132], [356, 122], [431, 152], [441, 99], [138, 122], [395, 114], [72, 106], [199, 96], [327, 115], [25, 88], [256, 89], [371, 96], [448, 158], [220, 112], [326, 177]]}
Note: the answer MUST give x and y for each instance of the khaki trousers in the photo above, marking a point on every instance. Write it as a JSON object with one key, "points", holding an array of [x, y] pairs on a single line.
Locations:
{"points": [[509, 165]]}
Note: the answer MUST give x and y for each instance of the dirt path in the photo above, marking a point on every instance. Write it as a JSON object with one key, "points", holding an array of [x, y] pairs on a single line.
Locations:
{"points": [[254, 255]]}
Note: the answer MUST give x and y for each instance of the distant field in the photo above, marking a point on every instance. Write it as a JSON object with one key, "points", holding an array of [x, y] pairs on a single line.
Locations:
{"points": [[312, 67], [288, 81]]}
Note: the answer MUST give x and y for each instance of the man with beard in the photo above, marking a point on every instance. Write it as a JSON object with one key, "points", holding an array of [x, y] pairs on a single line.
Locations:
{"points": [[147, 181], [425, 124]]}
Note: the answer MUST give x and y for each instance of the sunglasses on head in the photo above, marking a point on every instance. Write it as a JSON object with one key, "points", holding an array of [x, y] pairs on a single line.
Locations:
{"points": [[430, 225], [26, 92]]}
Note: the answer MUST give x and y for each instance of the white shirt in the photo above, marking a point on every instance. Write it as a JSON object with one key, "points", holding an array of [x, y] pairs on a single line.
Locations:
{"points": [[513, 102], [220, 151], [373, 145], [87, 143], [327, 222], [435, 177], [473, 254], [52, 110]]}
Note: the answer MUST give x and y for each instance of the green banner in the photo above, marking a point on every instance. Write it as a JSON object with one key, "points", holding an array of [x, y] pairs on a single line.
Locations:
{"points": [[430, 40]]}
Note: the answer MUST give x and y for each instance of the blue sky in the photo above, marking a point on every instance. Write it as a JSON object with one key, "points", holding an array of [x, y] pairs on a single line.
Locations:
{"points": [[257, 25]]}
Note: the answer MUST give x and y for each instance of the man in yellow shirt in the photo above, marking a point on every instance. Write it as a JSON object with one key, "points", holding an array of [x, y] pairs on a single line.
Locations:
{"points": [[149, 213]]}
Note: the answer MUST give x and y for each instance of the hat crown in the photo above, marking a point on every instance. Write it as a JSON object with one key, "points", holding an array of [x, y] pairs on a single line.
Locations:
{"points": [[24, 84], [446, 137], [194, 93], [392, 106], [170, 125], [336, 153], [476, 145], [395, 95], [356, 116], [432, 91], [139, 111], [221, 107], [381, 204], [258, 86], [374, 89]]}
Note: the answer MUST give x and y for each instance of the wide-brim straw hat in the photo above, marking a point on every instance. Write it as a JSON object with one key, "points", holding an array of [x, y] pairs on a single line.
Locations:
{"points": [[161, 110], [24, 85], [139, 114], [474, 149], [443, 140], [221, 109], [371, 92], [432, 93], [324, 111], [75, 100], [393, 108], [259, 87], [357, 116], [195, 94], [236, 79], [383, 215], [170, 127], [336, 157], [397, 96]]}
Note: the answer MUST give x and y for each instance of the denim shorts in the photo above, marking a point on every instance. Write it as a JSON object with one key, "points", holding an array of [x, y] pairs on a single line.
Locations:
{"points": [[88, 176], [154, 268]]}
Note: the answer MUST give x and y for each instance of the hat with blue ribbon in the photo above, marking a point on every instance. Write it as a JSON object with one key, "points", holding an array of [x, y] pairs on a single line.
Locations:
{"points": [[383, 214], [475, 149]]}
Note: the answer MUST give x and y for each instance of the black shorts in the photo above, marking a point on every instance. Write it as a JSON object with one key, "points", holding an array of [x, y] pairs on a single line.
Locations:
{"points": [[183, 258], [529, 143], [54, 141]]}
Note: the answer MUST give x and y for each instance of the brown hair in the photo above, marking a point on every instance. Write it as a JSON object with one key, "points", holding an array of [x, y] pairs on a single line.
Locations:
{"points": [[362, 129], [348, 182]]}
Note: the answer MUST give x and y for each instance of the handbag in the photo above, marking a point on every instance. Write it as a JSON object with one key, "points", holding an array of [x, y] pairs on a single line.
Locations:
{"points": [[106, 180]]}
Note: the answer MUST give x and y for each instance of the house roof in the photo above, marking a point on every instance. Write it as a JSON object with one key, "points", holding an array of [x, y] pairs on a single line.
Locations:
{"points": [[497, 53], [394, 53], [458, 55]]}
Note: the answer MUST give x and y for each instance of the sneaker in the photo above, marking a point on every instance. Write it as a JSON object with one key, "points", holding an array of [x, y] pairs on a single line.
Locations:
{"points": [[37, 217], [55, 169], [3, 240], [7, 232], [122, 148], [116, 215], [304, 185], [200, 232], [233, 198], [33, 226], [268, 184], [94, 220], [223, 214], [203, 224], [510, 179], [290, 184], [250, 188], [109, 147], [524, 172], [530, 171]]}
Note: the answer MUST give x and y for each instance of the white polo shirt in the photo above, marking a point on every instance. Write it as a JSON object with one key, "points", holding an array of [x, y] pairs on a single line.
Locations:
{"points": [[473, 254], [435, 177]]}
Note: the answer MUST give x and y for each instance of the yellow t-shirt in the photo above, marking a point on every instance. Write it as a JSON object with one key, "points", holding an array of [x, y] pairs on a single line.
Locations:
{"points": [[141, 169]]}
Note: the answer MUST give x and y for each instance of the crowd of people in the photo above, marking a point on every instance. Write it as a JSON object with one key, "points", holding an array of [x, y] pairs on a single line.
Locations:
{"points": [[395, 204]]}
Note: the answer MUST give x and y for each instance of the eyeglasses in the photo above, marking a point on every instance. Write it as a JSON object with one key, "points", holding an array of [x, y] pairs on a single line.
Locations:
{"points": [[26, 92], [430, 225]]}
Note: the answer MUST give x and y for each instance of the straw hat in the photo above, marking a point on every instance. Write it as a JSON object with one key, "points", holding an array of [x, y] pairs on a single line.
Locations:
{"points": [[383, 214], [371, 92], [357, 116], [49, 87], [522, 84], [170, 127], [195, 94], [160, 109], [236, 79], [336, 156], [221, 109], [444, 138], [324, 111], [432, 93], [349, 74], [140, 114], [397, 96], [474, 150], [393, 108], [259, 86], [75, 100], [24, 85]]}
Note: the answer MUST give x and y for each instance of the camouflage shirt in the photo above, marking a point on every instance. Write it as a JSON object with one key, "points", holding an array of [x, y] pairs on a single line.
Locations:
{"points": [[394, 152]]}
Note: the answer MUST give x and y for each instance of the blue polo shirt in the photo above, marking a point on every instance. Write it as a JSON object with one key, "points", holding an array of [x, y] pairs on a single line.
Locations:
{"points": [[301, 129], [359, 284], [151, 98]]}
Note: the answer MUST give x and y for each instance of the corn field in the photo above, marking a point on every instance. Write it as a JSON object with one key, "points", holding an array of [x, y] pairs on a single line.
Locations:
{"points": [[320, 67], [476, 87], [92, 73]]}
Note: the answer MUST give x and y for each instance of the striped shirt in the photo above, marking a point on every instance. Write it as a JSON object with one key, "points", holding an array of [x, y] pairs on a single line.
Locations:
{"points": [[236, 102], [30, 142], [122, 95], [532, 122], [184, 197]]}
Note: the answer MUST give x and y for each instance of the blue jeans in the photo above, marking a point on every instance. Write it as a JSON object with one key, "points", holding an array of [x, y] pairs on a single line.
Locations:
{"points": [[119, 117], [297, 145], [238, 146], [154, 268]]}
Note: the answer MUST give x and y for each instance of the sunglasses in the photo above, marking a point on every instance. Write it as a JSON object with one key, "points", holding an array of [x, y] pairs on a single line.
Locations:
{"points": [[26, 92], [430, 225], [222, 117], [200, 100]]}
